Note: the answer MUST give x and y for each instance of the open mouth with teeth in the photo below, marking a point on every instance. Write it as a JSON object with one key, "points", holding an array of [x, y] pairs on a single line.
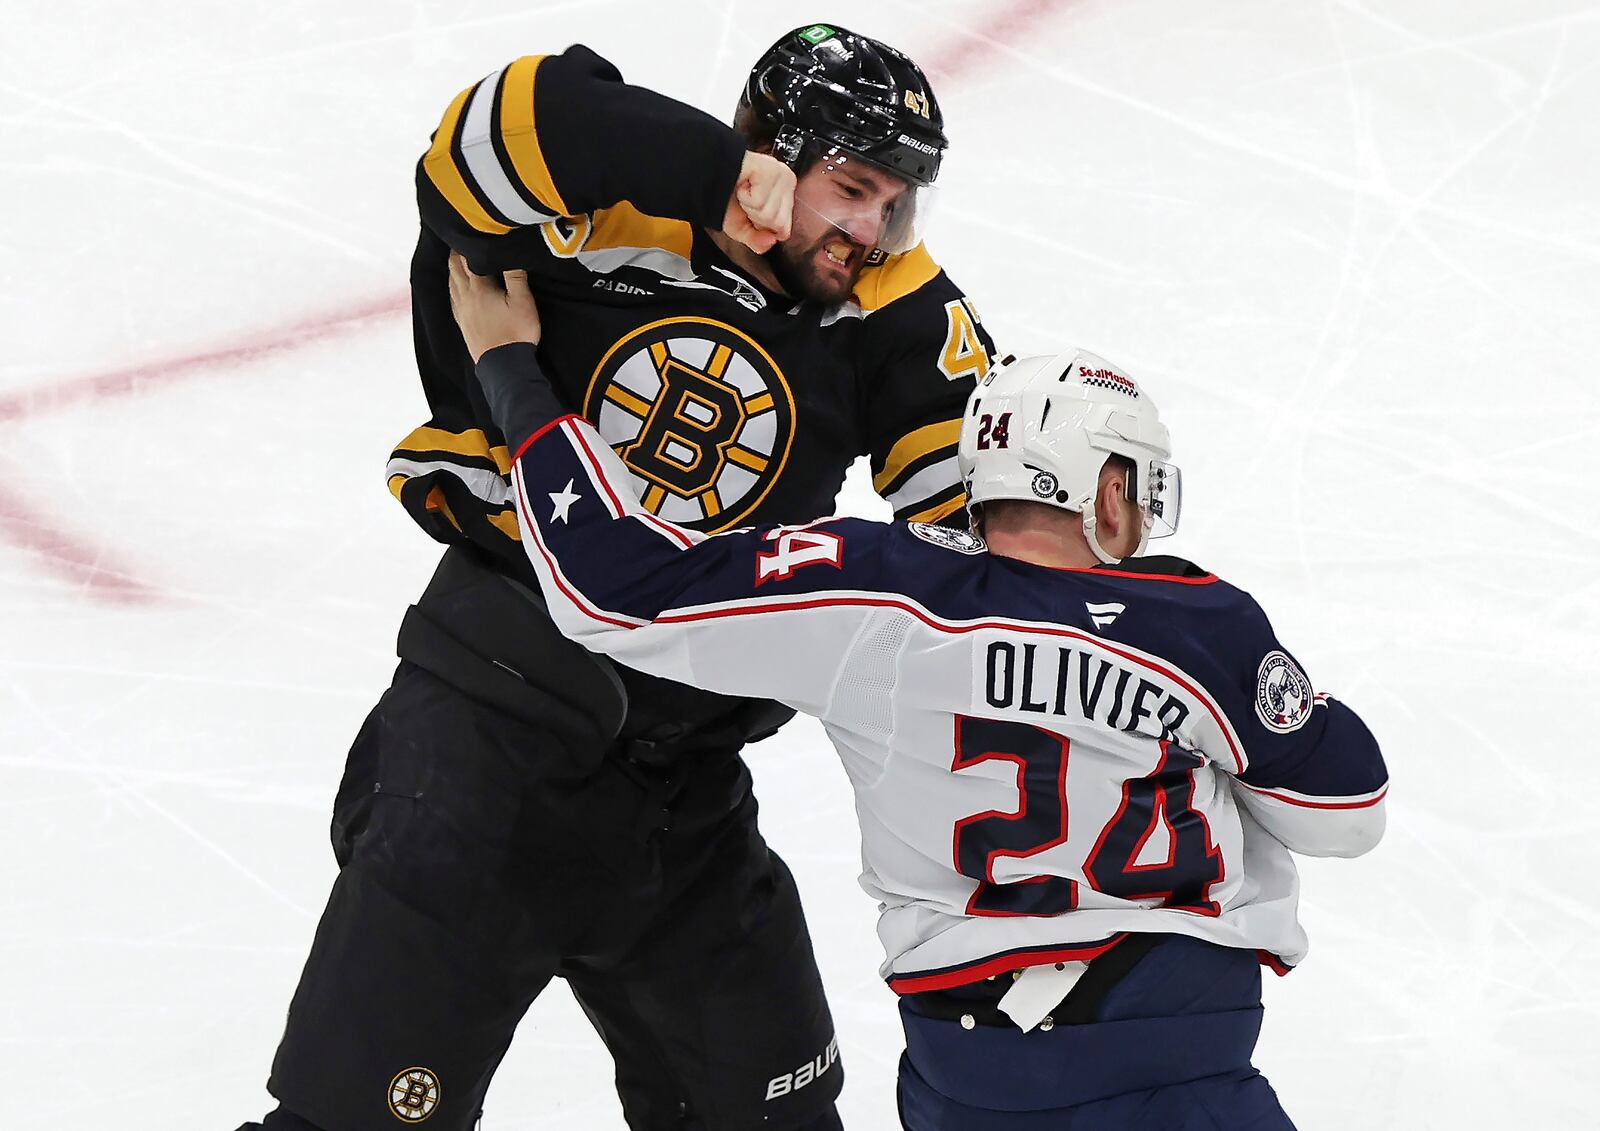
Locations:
{"points": [[841, 252]]}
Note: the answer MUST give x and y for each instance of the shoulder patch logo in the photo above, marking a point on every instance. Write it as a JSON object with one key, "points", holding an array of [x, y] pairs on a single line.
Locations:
{"points": [[413, 1095], [1283, 693], [961, 541], [702, 416]]}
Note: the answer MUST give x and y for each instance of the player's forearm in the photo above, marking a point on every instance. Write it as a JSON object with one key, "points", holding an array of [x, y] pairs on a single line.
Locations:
{"points": [[521, 399], [1314, 826], [563, 135], [661, 598], [601, 572]]}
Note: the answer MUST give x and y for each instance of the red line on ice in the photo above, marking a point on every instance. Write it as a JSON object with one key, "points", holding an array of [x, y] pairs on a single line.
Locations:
{"points": [[151, 375], [73, 559], [70, 558], [957, 56]]}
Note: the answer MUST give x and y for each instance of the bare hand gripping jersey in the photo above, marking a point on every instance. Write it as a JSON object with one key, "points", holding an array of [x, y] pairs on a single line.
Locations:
{"points": [[1043, 759]]}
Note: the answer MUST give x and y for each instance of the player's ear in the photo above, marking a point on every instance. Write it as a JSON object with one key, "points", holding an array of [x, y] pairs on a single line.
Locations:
{"points": [[1109, 511]]}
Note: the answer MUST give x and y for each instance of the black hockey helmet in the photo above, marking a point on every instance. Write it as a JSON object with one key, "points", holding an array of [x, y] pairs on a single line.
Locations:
{"points": [[824, 84]]}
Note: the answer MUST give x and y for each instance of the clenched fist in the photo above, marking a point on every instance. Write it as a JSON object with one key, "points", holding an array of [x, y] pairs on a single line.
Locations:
{"points": [[759, 212]]}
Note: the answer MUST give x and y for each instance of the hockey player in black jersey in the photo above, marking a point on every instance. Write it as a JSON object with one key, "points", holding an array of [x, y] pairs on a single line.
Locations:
{"points": [[1080, 772], [741, 312]]}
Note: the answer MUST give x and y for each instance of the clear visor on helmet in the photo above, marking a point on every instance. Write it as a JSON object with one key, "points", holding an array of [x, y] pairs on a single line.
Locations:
{"points": [[1164, 502], [870, 205]]}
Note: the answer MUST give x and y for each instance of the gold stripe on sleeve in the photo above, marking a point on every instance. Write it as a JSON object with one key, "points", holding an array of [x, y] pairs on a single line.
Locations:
{"points": [[472, 442], [519, 131], [623, 225], [441, 168], [940, 510], [912, 447]]}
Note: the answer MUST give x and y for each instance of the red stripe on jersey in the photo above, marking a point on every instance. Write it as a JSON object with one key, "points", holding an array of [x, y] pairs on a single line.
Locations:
{"points": [[572, 595], [588, 455], [1306, 803], [556, 423], [1272, 962], [674, 532], [997, 964], [1208, 579], [954, 629]]}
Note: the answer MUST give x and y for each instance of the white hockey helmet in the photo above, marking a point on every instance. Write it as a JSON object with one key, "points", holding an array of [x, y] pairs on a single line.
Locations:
{"points": [[1040, 429]]}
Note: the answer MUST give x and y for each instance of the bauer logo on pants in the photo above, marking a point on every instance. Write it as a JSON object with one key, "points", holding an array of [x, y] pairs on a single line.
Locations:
{"points": [[1283, 693], [413, 1095], [700, 413]]}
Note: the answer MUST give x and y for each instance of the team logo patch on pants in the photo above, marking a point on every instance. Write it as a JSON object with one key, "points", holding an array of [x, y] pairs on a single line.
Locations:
{"points": [[413, 1095]]}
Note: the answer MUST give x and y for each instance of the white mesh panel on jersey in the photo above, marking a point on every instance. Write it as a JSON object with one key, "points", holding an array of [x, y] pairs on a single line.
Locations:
{"points": [[864, 691]]}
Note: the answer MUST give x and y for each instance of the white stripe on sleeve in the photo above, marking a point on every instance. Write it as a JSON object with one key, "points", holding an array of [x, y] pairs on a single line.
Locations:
{"points": [[484, 163]]}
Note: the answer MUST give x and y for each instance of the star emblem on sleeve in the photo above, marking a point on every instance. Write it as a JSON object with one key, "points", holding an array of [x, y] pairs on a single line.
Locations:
{"points": [[563, 500]]}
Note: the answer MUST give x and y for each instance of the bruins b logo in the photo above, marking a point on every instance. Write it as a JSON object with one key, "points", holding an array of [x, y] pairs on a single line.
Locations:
{"points": [[413, 1095], [701, 415]]}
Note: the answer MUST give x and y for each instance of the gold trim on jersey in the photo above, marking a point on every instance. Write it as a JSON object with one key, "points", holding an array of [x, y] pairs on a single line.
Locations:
{"points": [[566, 244], [940, 510], [504, 519], [519, 132], [506, 523], [437, 502], [623, 225], [440, 165], [433, 501], [913, 446], [899, 276], [472, 442]]}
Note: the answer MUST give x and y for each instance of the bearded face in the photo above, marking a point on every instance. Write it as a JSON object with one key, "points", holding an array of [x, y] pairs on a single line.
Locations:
{"points": [[842, 209]]}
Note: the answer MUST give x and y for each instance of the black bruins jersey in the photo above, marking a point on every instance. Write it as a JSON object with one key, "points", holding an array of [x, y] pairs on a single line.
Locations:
{"points": [[731, 405]]}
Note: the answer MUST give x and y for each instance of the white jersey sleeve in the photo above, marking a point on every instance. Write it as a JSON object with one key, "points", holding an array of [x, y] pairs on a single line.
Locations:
{"points": [[750, 612]]}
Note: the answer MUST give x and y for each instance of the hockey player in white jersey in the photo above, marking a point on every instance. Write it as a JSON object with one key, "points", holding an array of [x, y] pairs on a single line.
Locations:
{"points": [[1079, 772]]}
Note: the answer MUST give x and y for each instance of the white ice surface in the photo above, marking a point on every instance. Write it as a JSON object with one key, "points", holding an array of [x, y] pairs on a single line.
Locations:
{"points": [[1354, 249]]}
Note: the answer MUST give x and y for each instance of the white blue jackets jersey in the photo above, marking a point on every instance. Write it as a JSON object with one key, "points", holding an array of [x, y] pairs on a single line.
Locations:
{"points": [[1043, 760]]}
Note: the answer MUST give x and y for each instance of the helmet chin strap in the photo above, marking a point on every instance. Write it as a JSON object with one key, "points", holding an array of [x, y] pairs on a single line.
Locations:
{"points": [[1093, 540], [1089, 522]]}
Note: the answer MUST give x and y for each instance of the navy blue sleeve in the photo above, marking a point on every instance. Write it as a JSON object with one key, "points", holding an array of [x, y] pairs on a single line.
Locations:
{"points": [[768, 612], [1315, 776]]}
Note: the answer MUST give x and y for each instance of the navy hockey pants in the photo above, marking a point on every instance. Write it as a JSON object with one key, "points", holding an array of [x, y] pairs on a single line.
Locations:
{"points": [[1169, 1049]]}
